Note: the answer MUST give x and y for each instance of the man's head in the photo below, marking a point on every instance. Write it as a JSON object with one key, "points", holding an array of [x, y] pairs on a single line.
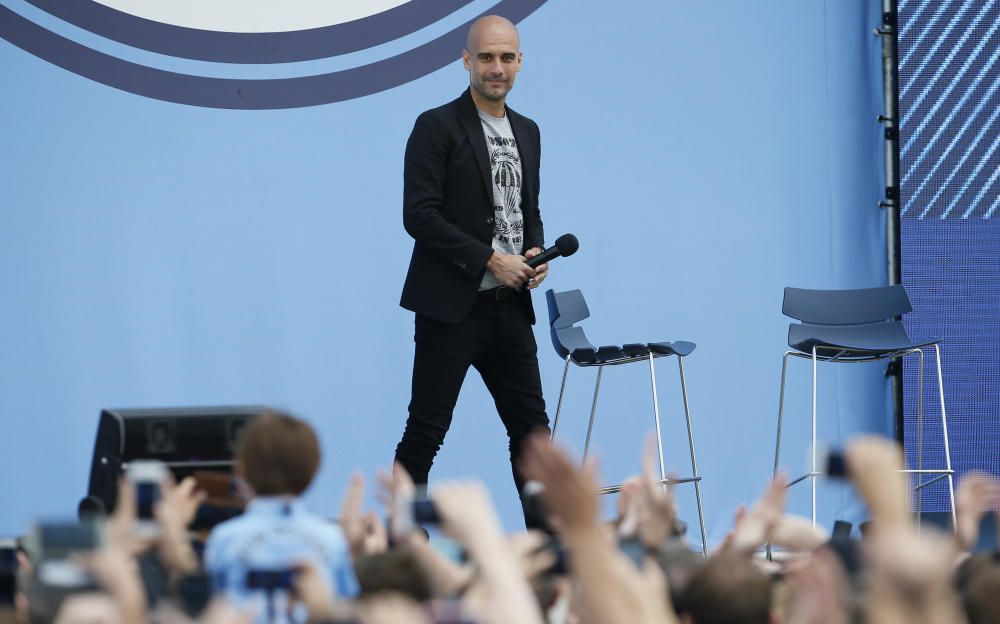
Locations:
{"points": [[493, 57], [277, 455]]}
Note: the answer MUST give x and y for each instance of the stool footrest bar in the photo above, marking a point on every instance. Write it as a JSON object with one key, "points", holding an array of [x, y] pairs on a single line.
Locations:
{"points": [[611, 489]]}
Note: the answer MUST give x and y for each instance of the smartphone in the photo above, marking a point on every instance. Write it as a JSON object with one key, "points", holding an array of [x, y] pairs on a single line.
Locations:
{"points": [[424, 512], [270, 580], [194, 591], [412, 512], [59, 540], [8, 571], [841, 529], [831, 463], [146, 477]]}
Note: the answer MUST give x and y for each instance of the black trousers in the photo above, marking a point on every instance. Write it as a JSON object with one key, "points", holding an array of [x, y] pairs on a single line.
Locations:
{"points": [[495, 338]]}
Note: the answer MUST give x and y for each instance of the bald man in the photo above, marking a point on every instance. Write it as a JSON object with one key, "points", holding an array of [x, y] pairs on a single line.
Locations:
{"points": [[470, 202]]}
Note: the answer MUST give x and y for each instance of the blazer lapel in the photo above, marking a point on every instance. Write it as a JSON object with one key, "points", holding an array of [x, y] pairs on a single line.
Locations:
{"points": [[474, 129]]}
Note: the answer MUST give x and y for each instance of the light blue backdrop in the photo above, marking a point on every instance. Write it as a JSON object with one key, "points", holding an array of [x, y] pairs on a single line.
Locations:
{"points": [[706, 154]]}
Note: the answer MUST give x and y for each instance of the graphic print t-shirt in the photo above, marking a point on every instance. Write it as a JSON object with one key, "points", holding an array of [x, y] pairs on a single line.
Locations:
{"points": [[505, 171]]}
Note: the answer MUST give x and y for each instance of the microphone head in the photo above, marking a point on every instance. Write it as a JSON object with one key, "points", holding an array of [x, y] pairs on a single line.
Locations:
{"points": [[567, 244]]}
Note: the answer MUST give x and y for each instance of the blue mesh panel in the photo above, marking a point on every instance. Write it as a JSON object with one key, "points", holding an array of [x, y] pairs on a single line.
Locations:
{"points": [[949, 95]]}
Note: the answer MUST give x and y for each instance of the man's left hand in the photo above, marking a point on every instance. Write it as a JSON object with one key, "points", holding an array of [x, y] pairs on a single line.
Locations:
{"points": [[541, 271]]}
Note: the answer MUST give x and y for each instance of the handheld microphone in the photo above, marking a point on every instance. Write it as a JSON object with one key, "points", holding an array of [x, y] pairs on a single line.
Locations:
{"points": [[565, 245]]}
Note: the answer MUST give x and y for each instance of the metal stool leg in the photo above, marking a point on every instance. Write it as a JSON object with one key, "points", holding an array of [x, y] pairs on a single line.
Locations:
{"points": [[947, 445], [920, 438], [813, 459], [781, 412], [562, 391], [694, 460], [656, 416], [593, 410]]}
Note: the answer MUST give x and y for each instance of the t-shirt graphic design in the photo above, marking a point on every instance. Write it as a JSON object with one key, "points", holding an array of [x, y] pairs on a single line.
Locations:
{"points": [[505, 172], [506, 167]]}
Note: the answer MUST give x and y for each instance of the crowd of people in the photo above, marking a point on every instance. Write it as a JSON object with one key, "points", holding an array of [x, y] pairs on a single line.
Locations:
{"points": [[277, 562]]}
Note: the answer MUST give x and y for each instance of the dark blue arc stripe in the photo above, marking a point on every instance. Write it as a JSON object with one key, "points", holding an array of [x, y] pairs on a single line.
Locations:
{"points": [[231, 47], [242, 93]]}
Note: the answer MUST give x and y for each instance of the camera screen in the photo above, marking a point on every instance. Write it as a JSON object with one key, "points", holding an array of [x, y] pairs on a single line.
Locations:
{"points": [[8, 572], [61, 538], [270, 579], [424, 512], [836, 465], [147, 493]]}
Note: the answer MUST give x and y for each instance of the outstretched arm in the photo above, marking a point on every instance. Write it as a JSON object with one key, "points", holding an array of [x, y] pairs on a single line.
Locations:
{"points": [[612, 589]]}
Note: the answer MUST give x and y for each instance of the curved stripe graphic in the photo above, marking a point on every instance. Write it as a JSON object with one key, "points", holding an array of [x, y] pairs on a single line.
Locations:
{"points": [[246, 94], [230, 47]]}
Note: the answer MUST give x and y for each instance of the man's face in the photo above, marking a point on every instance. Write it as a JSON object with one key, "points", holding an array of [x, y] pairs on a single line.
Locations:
{"points": [[494, 62]]}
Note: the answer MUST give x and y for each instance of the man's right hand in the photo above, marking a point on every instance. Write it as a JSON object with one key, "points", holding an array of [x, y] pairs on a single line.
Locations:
{"points": [[509, 269]]}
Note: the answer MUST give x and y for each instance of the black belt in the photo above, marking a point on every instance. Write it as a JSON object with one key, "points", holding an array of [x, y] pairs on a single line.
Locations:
{"points": [[500, 293]]}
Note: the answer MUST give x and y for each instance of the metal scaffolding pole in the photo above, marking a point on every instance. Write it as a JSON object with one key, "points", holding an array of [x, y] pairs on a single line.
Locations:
{"points": [[888, 31]]}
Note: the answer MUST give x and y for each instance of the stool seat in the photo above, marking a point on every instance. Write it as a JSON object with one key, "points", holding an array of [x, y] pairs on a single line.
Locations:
{"points": [[680, 347], [864, 341], [611, 355]]}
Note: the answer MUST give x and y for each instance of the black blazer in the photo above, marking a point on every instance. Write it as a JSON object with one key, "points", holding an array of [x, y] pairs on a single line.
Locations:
{"points": [[448, 207]]}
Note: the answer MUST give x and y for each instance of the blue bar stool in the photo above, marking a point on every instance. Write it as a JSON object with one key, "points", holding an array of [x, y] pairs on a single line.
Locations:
{"points": [[850, 326], [568, 308]]}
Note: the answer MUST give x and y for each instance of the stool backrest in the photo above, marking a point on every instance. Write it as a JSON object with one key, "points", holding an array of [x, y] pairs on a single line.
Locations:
{"points": [[846, 307], [566, 309]]}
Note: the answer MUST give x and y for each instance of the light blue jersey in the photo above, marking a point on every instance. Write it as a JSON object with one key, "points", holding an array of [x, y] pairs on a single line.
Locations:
{"points": [[276, 534]]}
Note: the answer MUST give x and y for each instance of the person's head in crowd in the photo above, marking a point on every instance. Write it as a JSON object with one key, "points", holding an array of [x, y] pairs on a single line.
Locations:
{"points": [[978, 584], [727, 589], [276, 539], [277, 455], [396, 571], [679, 564]]}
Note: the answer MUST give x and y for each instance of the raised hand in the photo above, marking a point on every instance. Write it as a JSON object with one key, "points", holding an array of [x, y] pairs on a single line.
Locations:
{"points": [[396, 491], [120, 529], [118, 573], [467, 514], [797, 534], [757, 524], [174, 512], [615, 590], [977, 491], [571, 495], [655, 505], [351, 517], [873, 464], [909, 572]]}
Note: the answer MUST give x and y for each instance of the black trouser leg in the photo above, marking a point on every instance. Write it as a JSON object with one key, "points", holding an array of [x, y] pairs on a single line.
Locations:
{"points": [[510, 370], [441, 358], [497, 338]]}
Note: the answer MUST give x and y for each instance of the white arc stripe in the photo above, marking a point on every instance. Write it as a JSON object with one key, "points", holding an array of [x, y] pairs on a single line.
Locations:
{"points": [[248, 16]]}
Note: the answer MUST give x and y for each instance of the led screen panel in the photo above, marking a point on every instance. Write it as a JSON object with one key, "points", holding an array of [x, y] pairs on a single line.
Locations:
{"points": [[949, 97]]}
